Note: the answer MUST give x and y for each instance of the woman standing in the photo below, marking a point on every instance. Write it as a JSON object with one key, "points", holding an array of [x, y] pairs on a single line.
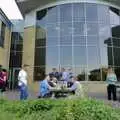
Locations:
{"points": [[111, 80]]}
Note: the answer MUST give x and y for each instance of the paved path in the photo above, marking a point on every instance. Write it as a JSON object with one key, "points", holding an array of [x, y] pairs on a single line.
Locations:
{"points": [[14, 95]]}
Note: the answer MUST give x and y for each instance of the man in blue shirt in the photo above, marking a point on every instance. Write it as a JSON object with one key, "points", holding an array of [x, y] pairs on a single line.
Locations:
{"points": [[45, 88]]}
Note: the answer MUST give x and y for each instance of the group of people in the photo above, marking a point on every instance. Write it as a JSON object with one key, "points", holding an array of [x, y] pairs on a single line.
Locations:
{"points": [[65, 76], [52, 79], [3, 79]]}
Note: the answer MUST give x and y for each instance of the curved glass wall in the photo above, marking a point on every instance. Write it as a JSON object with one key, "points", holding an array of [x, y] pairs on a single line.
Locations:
{"points": [[83, 36]]}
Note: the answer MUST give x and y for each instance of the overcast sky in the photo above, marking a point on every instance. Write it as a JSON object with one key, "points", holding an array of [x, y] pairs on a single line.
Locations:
{"points": [[10, 8]]}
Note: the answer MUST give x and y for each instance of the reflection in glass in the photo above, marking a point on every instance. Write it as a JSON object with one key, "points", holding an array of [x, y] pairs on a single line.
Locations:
{"points": [[52, 56], [40, 37], [39, 73], [103, 14], [117, 72], [114, 16], [66, 29], [66, 13], [52, 29], [78, 10], [40, 56], [80, 57], [104, 34], [81, 73], [92, 29], [79, 28], [66, 40], [79, 40], [66, 55], [110, 56], [116, 42], [83, 36], [104, 56], [93, 57], [52, 41], [116, 31], [116, 53], [91, 8], [93, 40], [41, 17]]}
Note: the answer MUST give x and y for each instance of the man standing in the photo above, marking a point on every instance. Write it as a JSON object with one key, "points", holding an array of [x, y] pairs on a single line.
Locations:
{"points": [[65, 76], [22, 82], [54, 74], [70, 76]]}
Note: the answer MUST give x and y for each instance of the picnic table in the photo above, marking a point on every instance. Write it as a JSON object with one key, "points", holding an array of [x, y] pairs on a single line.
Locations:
{"points": [[63, 92]]}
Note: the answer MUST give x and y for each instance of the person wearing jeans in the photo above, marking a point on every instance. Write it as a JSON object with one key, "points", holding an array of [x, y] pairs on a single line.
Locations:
{"points": [[111, 80], [22, 83]]}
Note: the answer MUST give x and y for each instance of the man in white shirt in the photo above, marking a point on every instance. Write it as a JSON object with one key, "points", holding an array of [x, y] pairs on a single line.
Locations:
{"points": [[22, 82]]}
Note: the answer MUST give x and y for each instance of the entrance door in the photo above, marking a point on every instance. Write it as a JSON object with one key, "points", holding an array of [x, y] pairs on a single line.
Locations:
{"points": [[13, 78]]}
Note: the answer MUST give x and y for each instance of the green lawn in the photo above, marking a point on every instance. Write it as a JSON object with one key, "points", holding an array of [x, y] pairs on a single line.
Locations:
{"points": [[62, 109]]}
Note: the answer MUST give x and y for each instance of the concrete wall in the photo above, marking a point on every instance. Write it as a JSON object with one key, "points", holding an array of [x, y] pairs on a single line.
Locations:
{"points": [[28, 52]]}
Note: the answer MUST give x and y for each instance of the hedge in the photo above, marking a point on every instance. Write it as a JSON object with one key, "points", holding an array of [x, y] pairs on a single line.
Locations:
{"points": [[62, 109]]}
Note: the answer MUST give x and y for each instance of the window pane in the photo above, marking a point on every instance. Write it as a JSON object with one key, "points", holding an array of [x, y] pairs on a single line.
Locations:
{"points": [[116, 54], [40, 56], [103, 14], [93, 58], [104, 56], [41, 17], [91, 12], [66, 55], [92, 29], [78, 12], [104, 32], [52, 56], [15, 59], [110, 56], [108, 42], [52, 41], [40, 37], [117, 72], [115, 31], [2, 34], [66, 40], [114, 16], [79, 40], [65, 29], [52, 29], [52, 15], [93, 40], [116, 42], [79, 28], [66, 12], [80, 55], [39, 73]]}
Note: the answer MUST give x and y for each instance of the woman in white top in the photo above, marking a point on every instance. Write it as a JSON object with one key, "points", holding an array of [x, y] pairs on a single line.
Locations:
{"points": [[111, 81]]}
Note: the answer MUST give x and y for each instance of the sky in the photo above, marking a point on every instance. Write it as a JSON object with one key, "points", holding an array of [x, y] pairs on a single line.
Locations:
{"points": [[10, 8]]}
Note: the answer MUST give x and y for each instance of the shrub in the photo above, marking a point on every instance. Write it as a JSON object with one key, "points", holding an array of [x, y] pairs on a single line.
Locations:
{"points": [[62, 109]]}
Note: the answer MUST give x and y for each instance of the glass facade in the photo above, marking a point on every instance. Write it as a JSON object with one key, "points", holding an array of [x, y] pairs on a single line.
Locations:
{"points": [[2, 34], [82, 36]]}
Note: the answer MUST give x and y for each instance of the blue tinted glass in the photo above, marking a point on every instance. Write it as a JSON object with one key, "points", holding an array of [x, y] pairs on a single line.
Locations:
{"points": [[66, 13]]}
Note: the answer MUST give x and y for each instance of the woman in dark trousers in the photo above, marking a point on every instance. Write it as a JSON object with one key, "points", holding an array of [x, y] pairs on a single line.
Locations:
{"points": [[111, 80]]}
